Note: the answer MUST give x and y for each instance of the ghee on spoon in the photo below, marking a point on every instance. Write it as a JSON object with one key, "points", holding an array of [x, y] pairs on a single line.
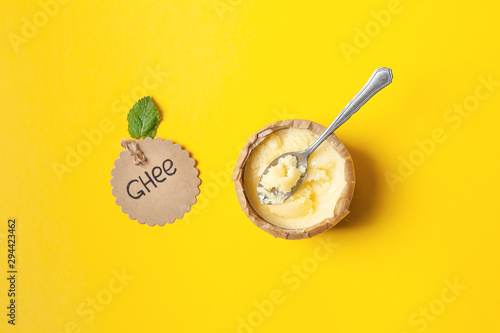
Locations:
{"points": [[286, 173]]}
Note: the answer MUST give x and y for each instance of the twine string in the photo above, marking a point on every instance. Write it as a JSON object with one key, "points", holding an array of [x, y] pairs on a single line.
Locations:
{"points": [[133, 149]]}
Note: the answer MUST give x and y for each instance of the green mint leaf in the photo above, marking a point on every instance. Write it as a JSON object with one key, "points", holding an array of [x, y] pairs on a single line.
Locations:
{"points": [[143, 119]]}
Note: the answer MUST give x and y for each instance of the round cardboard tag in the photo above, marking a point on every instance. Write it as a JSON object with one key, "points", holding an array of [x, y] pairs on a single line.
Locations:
{"points": [[155, 182]]}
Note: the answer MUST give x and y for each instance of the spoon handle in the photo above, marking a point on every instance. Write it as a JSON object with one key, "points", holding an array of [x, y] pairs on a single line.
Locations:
{"points": [[380, 79]]}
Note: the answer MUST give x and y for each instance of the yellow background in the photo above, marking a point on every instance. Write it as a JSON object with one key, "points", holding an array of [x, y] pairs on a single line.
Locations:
{"points": [[227, 69]]}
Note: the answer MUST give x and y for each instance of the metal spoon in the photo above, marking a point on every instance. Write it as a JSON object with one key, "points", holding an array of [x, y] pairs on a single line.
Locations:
{"points": [[380, 79]]}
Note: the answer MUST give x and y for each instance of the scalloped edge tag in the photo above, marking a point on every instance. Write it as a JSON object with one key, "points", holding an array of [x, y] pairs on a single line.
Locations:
{"points": [[160, 190]]}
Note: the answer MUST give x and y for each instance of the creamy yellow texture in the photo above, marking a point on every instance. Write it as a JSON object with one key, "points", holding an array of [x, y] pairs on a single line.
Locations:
{"points": [[317, 197], [280, 179]]}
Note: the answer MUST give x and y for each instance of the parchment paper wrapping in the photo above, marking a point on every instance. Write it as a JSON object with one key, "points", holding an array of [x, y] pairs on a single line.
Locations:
{"points": [[341, 208]]}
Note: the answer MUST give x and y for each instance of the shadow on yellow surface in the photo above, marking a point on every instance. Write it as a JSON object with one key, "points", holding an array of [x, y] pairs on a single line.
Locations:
{"points": [[368, 182]]}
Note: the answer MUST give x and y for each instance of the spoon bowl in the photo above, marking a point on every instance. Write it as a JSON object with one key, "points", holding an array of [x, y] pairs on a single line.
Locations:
{"points": [[302, 158]]}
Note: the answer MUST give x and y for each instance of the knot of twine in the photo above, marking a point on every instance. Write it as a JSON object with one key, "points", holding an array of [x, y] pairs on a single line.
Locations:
{"points": [[133, 149]]}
